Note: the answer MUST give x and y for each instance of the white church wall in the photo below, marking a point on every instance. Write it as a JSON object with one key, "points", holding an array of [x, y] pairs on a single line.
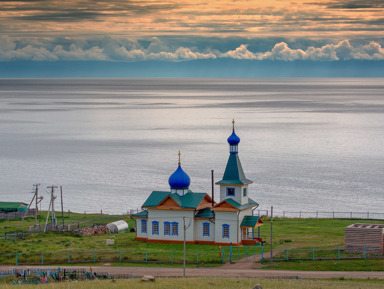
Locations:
{"points": [[199, 233], [226, 218], [171, 216], [139, 229]]}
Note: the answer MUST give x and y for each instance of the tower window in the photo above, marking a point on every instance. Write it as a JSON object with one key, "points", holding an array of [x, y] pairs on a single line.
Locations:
{"points": [[167, 228], [244, 192], [205, 229], [231, 192], [143, 226], [155, 228], [226, 231]]}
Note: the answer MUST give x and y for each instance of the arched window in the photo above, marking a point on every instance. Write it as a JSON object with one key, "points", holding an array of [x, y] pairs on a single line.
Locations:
{"points": [[205, 229], [226, 231], [155, 228], [175, 229], [143, 226], [167, 228]]}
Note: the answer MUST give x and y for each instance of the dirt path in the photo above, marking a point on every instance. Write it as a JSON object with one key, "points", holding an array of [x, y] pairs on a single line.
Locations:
{"points": [[218, 272]]}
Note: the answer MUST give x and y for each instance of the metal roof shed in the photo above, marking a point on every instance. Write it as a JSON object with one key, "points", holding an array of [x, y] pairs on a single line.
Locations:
{"points": [[118, 227]]}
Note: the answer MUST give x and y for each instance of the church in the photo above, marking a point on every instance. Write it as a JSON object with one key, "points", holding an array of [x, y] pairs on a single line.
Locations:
{"points": [[231, 221]]}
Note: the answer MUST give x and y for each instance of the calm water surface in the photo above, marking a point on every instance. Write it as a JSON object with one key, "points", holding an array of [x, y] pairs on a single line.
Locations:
{"points": [[308, 144]]}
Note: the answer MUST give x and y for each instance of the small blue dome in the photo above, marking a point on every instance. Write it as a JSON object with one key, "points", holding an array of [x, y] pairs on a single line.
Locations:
{"points": [[233, 139], [179, 179]]}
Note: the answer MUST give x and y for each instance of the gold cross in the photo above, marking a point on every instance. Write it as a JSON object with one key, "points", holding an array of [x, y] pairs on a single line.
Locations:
{"points": [[179, 157], [233, 124]]}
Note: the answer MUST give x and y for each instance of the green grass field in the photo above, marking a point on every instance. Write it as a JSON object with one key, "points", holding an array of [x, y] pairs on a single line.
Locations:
{"points": [[322, 234], [223, 283]]}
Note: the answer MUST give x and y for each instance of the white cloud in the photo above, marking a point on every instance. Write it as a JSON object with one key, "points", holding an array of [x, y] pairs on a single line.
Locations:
{"points": [[109, 49]]}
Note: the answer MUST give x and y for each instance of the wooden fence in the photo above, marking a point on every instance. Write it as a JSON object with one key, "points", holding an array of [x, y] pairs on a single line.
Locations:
{"points": [[15, 215], [324, 214]]}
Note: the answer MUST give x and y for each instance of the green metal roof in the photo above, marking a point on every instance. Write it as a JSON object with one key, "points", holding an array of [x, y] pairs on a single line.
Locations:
{"points": [[249, 221], [251, 203], [11, 205], [155, 198], [142, 214], [189, 200], [205, 213], [234, 174]]}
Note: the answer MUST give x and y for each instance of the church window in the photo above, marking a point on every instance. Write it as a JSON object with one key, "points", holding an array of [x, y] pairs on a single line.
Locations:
{"points": [[167, 228], [226, 231], [205, 229], [155, 228], [175, 228], [143, 226], [244, 192], [231, 192]]}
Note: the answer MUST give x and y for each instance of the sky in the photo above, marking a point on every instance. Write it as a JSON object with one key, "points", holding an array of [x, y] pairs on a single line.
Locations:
{"points": [[42, 38]]}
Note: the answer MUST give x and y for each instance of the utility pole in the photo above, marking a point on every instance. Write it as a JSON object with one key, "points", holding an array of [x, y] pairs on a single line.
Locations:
{"points": [[184, 229], [52, 207], [36, 186], [271, 235], [62, 208]]}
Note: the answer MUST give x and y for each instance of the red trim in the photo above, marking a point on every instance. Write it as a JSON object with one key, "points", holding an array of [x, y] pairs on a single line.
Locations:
{"points": [[198, 242]]}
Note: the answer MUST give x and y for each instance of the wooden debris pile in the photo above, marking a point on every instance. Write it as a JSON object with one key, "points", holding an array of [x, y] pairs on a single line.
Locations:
{"points": [[96, 230]]}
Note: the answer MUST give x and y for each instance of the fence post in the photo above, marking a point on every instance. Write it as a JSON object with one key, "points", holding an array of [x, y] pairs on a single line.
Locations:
{"points": [[171, 256], [283, 214], [300, 214], [368, 215], [223, 256], [246, 253], [262, 253], [69, 260], [287, 254], [338, 253], [94, 255], [146, 256], [333, 214], [254, 255], [365, 252], [317, 214], [17, 262], [313, 254], [351, 215], [120, 255], [197, 256], [42, 258]]}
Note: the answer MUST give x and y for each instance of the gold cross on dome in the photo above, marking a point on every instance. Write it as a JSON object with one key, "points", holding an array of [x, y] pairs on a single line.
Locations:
{"points": [[233, 124], [179, 157]]}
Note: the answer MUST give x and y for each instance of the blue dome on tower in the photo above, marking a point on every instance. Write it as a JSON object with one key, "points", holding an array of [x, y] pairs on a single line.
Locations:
{"points": [[179, 179], [233, 139]]}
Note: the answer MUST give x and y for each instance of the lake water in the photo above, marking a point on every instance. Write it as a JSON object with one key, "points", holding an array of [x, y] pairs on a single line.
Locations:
{"points": [[308, 144]]}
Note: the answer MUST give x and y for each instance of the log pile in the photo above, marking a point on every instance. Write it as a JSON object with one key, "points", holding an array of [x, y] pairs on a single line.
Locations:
{"points": [[368, 237], [93, 231]]}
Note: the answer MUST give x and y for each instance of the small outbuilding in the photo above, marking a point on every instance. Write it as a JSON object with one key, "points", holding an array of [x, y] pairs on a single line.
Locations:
{"points": [[364, 237], [8, 207], [118, 227]]}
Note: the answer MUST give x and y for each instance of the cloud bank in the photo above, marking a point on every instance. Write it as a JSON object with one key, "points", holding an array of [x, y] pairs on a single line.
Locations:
{"points": [[109, 49]]}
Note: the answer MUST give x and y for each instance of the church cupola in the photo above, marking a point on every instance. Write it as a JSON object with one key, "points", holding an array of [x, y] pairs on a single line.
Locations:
{"points": [[233, 140], [179, 181], [234, 184]]}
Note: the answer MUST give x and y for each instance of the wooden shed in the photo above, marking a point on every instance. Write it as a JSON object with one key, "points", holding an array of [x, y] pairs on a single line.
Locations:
{"points": [[368, 236]]}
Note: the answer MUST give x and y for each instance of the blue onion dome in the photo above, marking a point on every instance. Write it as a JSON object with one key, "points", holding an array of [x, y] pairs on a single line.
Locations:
{"points": [[233, 139], [179, 179]]}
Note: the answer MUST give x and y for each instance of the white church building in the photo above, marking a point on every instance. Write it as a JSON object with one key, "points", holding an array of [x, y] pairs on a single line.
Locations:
{"points": [[229, 222]]}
